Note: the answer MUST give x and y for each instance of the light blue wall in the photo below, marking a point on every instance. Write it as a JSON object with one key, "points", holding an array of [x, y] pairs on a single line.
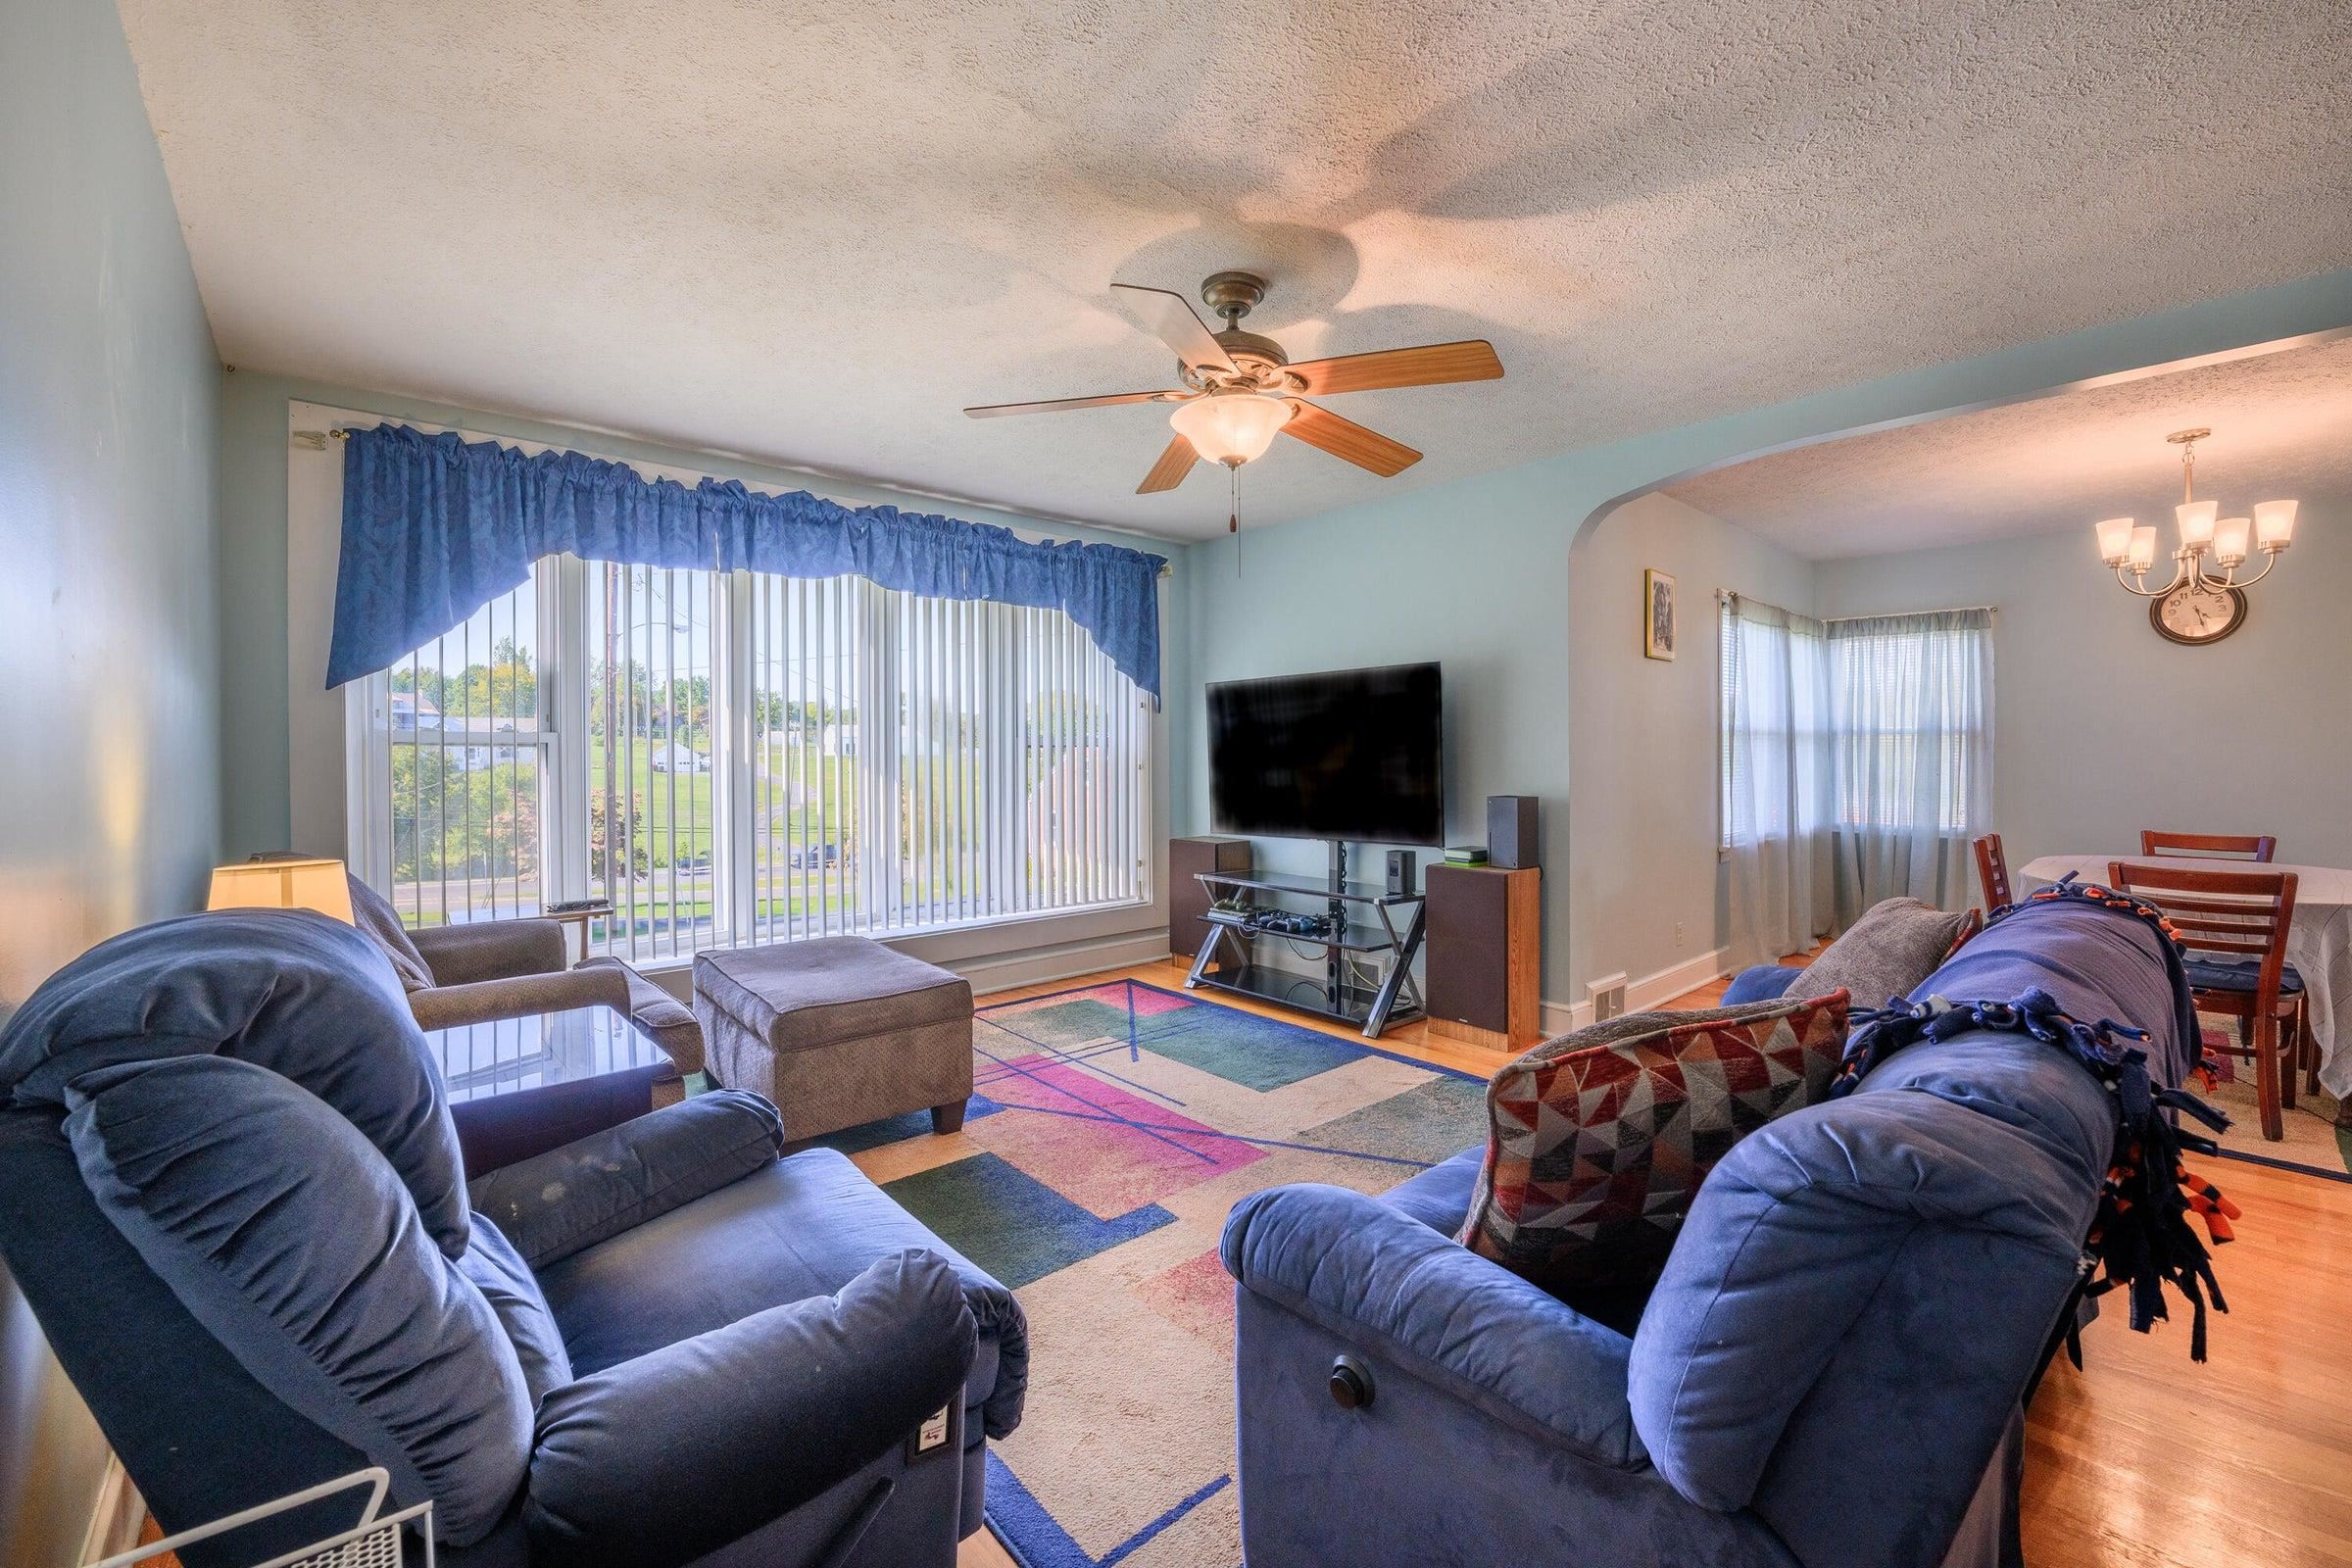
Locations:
{"points": [[253, 553], [2101, 727], [110, 769], [1476, 573], [1648, 792]]}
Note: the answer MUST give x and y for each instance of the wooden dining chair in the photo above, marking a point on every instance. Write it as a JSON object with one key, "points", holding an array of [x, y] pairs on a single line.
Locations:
{"points": [[1992, 872], [2220, 845], [2234, 925]]}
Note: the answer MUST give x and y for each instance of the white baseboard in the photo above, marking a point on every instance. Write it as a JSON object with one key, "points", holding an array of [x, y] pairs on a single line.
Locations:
{"points": [[1065, 963], [116, 1518], [1650, 990], [994, 971]]}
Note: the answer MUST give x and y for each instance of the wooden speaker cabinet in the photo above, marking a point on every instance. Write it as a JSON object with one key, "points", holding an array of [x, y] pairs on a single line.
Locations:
{"points": [[1188, 900], [1484, 982]]}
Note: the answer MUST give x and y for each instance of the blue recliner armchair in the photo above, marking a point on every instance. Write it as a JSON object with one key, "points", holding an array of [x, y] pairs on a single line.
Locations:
{"points": [[230, 1189], [1829, 1371]]}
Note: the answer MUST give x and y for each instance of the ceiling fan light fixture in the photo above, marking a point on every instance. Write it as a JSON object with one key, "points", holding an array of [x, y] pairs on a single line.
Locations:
{"points": [[1231, 426]]}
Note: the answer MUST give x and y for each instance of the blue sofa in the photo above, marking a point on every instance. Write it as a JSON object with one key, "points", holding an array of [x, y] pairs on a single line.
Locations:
{"points": [[231, 1191], [1763, 982], [1829, 1372]]}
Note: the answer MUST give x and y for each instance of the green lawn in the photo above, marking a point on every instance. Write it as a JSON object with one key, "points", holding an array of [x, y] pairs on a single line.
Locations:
{"points": [[835, 782], [685, 799], [662, 799]]}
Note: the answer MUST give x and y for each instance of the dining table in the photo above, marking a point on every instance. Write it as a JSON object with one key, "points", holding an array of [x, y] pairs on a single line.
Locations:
{"points": [[2319, 940]]}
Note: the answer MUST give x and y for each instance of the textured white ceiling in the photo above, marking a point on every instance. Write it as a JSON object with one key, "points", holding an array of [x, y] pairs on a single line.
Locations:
{"points": [[2281, 427], [811, 233]]}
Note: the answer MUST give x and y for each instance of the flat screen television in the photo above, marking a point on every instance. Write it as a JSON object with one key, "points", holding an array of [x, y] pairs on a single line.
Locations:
{"points": [[1352, 755]]}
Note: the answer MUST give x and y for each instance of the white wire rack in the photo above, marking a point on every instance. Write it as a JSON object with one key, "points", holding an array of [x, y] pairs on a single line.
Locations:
{"points": [[376, 1542]]}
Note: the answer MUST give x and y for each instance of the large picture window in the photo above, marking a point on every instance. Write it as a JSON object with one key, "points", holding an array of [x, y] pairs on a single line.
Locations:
{"points": [[1913, 696], [738, 757], [1856, 765]]}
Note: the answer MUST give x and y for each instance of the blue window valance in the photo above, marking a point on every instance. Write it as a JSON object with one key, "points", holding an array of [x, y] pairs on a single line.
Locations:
{"points": [[434, 527]]}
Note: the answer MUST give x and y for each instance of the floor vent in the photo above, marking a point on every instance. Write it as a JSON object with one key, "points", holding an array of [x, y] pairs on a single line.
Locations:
{"points": [[1608, 997]]}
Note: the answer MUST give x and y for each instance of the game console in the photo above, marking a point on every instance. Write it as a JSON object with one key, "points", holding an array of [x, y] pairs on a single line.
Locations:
{"points": [[1283, 922]]}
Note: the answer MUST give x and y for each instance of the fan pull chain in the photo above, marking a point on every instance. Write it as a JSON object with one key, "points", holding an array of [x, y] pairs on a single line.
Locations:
{"points": [[1233, 522]]}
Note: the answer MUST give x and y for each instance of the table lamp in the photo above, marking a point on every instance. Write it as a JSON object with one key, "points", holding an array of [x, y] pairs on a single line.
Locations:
{"points": [[283, 885]]}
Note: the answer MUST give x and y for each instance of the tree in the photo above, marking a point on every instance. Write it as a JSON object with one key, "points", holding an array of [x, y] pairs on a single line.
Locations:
{"points": [[632, 858]]}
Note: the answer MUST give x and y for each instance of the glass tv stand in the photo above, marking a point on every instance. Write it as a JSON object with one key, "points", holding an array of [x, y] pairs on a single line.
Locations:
{"points": [[1368, 938]]}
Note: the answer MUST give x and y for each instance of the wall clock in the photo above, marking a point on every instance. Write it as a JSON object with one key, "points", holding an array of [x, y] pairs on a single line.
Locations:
{"points": [[2198, 612]]}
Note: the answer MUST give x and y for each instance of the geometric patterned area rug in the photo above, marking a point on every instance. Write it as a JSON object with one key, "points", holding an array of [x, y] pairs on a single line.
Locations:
{"points": [[2312, 1143], [1114, 1128]]}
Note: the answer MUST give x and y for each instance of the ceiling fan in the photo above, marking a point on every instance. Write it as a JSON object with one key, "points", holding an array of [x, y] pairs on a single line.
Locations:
{"points": [[1237, 390]]}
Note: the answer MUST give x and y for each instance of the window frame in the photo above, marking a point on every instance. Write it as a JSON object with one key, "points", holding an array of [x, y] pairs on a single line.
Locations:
{"points": [[368, 731], [564, 671], [1953, 793]]}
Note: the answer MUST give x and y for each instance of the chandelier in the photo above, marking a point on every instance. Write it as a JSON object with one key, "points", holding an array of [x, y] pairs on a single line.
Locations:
{"points": [[2129, 546]]}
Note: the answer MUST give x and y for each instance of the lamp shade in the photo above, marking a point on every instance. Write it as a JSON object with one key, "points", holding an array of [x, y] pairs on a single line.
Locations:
{"points": [[2274, 523], [2230, 537], [2144, 547], [2115, 540], [1231, 428], [318, 884], [2196, 523]]}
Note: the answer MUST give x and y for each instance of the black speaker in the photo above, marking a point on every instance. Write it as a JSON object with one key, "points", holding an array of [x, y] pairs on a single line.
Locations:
{"points": [[1400, 874], [1189, 897], [1512, 841]]}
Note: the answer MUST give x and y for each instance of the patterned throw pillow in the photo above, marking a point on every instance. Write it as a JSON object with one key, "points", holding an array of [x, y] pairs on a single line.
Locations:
{"points": [[1598, 1140]]}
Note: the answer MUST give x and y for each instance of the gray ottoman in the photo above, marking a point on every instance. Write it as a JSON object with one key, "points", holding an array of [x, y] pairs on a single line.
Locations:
{"points": [[837, 1031]]}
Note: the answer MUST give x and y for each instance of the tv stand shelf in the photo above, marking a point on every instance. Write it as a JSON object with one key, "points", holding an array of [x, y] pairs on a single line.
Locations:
{"points": [[1338, 993], [1307, 887], [1352, 938], [1306, 993]]}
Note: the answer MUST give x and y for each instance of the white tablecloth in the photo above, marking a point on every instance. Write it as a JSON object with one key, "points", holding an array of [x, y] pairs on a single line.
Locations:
{"points": [[2319, 941]]}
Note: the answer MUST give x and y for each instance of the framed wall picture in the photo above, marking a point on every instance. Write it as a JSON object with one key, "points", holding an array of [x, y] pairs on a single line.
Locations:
{"points": [[1657, 615]]}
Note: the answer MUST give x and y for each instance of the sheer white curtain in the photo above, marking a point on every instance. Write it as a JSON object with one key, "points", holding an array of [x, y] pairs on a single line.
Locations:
{"points": [[1776, 772], [1911, 717]]}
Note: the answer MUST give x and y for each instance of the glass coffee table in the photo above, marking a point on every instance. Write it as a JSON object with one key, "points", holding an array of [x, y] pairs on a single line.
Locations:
{"points": [[519, 1087]]}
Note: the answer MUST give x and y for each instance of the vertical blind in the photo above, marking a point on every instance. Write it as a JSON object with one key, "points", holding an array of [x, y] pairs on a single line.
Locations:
{"points": [[653, 775], [738, 757], [463, 740]]}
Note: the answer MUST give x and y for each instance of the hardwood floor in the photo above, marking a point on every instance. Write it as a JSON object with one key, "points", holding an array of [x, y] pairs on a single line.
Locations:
{"points": [[2143, 1459]]}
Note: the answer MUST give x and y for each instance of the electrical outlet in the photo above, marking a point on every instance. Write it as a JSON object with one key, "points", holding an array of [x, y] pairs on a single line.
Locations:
{"points": [[1677, 933]]}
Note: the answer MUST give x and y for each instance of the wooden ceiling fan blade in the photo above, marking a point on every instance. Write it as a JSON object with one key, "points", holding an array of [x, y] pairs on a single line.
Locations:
{"points": [[993, 411], [1168, 318], [1344, 438], [1169, 471], [1431, 365]]}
